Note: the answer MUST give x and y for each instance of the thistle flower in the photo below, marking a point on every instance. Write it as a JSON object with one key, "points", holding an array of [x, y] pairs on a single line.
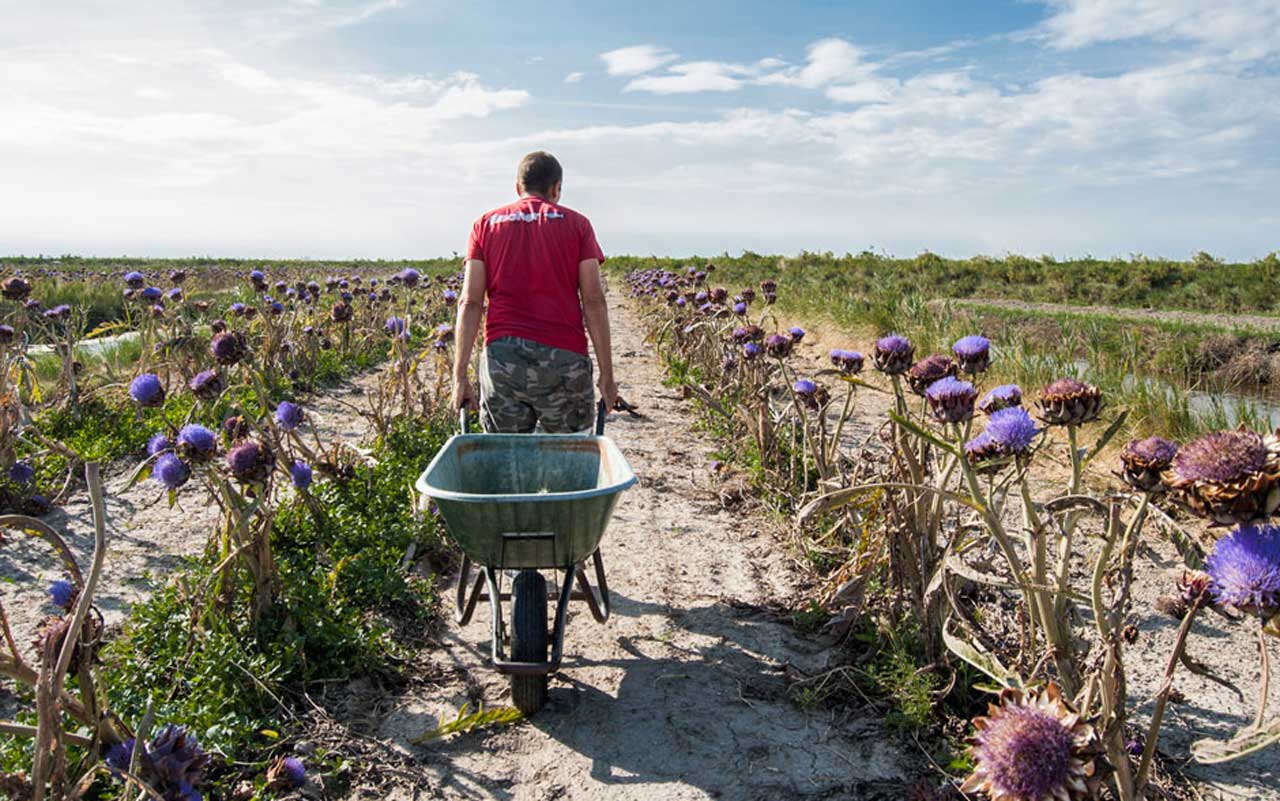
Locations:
{"points": [[778, 346], [395, 326], [1001, 397], [6, 334], [797, 334], [1012, 430], [227, 348], [258, 278], [300, 473], [930, 369], [1032, 747], [158, 444], [748, 333], [151, 294], [235, 427], [207, 385], [848, 362], [1245, 569], [751, 351], [984, 454], [288, 415], [21, 473], [170, 471], [147, 391], [1227, 476], [177, 277], [134, 279], [177, 762], [251, 461], [341, 313], [1068, 402], [197, 443], [973, 352], [804, 387], [1144, 460], [450, 297], [740, 308], [62, 593], [748, 295], [15, 288], [893, 354], [951, 400], [444, 332]]}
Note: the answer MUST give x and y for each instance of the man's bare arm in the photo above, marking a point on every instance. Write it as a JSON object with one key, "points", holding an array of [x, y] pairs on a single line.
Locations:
{"points": [[595, 312], [470, 309]]}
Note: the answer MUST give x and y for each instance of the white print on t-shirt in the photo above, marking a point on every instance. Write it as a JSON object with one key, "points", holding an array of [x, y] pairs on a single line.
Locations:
{"points": [[519, 216]]}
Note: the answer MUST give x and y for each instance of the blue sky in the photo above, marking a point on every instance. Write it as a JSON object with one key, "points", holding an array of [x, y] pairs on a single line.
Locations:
{"points": [[381, 128]]}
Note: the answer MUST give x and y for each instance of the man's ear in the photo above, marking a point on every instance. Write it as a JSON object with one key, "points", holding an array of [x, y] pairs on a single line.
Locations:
{"points": [[555, 192], [519, 190]]}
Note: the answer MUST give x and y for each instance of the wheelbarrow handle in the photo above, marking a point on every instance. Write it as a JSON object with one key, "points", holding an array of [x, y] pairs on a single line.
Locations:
{"points": [[462, 419]]}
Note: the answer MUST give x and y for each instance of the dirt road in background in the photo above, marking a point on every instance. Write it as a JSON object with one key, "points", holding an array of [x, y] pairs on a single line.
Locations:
{"points": [[1256, 322]]}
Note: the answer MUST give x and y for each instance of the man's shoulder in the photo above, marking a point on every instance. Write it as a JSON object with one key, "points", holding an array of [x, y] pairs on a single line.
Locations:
{"points": [[571, 214]]}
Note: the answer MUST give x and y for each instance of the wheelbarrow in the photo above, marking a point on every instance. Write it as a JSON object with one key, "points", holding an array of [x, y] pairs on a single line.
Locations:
{"points": [[528, 503]]}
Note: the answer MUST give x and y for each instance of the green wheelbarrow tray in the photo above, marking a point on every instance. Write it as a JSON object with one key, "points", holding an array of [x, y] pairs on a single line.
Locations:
{"points": [[528, 502]]}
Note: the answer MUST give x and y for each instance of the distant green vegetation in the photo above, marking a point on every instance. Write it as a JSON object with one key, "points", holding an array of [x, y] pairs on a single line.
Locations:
{"points": [[1202, 284]]}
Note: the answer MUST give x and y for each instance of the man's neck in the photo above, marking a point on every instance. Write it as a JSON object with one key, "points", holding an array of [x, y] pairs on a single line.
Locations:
{"points": [[526, 195]]}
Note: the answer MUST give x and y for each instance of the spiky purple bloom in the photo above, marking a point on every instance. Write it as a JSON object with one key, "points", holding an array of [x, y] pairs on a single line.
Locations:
{"points": [[951, 400], [893, 354], [7, 334], [1001, 397], [394, 326], [928, 370], [804, 386], [174, 294], [973, 353], [740, 308], [251, 461], [848, 362], [1026, 753], [294, 771], [1012, 429], [1221, 456], [1245, 569], [134, 279], [147, 391], [120, 755], [257, 277], [177, 762], [301, 474], [197, 443], [796, 332], [1144, 462], [207, 385], [151, 294], [170, 471], [158, 444], [778, 346], [288, 415], [227, 348], [450, 296], [21, 473], [751, 351], [62, 593]]}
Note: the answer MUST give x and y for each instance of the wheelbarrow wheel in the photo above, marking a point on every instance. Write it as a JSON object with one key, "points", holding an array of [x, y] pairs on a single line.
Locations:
{"points": [[529, 639]]}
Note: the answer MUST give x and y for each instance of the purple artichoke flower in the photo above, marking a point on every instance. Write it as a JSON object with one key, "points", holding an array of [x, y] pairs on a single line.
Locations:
{"points": [[300, 472], [1145, 460], [410, 277], [177, 276], [174, 294], [251, 461], [951, 400], [1013, 430], [207, 385], [288, 415], [751, 351], [680, 302], [797, 334], [21, 473], [778, 346], [973, 353], [287, 773], [930, 369], [849, 362], [258, 278], [394, 326], [147, 391], [450, 297], [7, 334], [1068, 402], [804, 387], [984, 453], [197, 443], [1227, 476], [1245, 569], [151, 294], [235, 428], [740, 308], [237, 309], [158, 444], [893, 354], [134, 279], [177, 762], [1001, 397], [1032, 747], [62, 593], [170, 471], [341, 313], [227, 348]]}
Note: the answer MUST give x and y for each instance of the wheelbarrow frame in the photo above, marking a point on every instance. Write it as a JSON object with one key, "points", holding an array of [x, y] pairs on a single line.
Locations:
{"points": [[487, 582]]}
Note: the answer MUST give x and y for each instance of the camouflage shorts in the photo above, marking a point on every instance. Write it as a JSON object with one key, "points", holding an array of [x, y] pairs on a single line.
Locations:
{"points": [[523, 383]]}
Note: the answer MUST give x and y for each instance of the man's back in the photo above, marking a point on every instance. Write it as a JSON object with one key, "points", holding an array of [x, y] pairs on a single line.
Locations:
{"points": [[532, 249]]}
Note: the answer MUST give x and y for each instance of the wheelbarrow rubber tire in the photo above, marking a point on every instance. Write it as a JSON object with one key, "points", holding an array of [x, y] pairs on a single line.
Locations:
{"points": [[529, 639]]}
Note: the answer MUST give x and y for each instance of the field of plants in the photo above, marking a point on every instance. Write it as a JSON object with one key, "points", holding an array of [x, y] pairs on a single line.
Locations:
{"points": [[1032, 547]]}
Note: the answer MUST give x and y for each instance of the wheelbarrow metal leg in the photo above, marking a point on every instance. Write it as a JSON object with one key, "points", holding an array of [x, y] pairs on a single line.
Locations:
{"points": [[597, 597], [467, 602]]}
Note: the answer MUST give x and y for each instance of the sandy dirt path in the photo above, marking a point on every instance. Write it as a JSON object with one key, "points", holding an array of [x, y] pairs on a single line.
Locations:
{"points": [[682, 694]]}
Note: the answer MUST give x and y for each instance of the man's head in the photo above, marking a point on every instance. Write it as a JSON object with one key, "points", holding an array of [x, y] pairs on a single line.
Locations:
{"points": [[539, 174]]}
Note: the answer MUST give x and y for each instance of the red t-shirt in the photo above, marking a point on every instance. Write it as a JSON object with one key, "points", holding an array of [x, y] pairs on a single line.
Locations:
{"points": [[531, 250]]}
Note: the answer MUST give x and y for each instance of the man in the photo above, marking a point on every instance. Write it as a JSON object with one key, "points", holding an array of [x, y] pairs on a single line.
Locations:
{"points": [[539, 264]]}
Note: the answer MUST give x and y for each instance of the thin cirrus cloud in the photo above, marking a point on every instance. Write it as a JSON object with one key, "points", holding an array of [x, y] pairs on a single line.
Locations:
{"points": [[1244, 29]]}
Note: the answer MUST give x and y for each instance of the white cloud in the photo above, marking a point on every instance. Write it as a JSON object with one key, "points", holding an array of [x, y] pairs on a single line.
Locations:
{"points": [[636, 60], [692, 76], [574, 77], [1246, 29]]}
